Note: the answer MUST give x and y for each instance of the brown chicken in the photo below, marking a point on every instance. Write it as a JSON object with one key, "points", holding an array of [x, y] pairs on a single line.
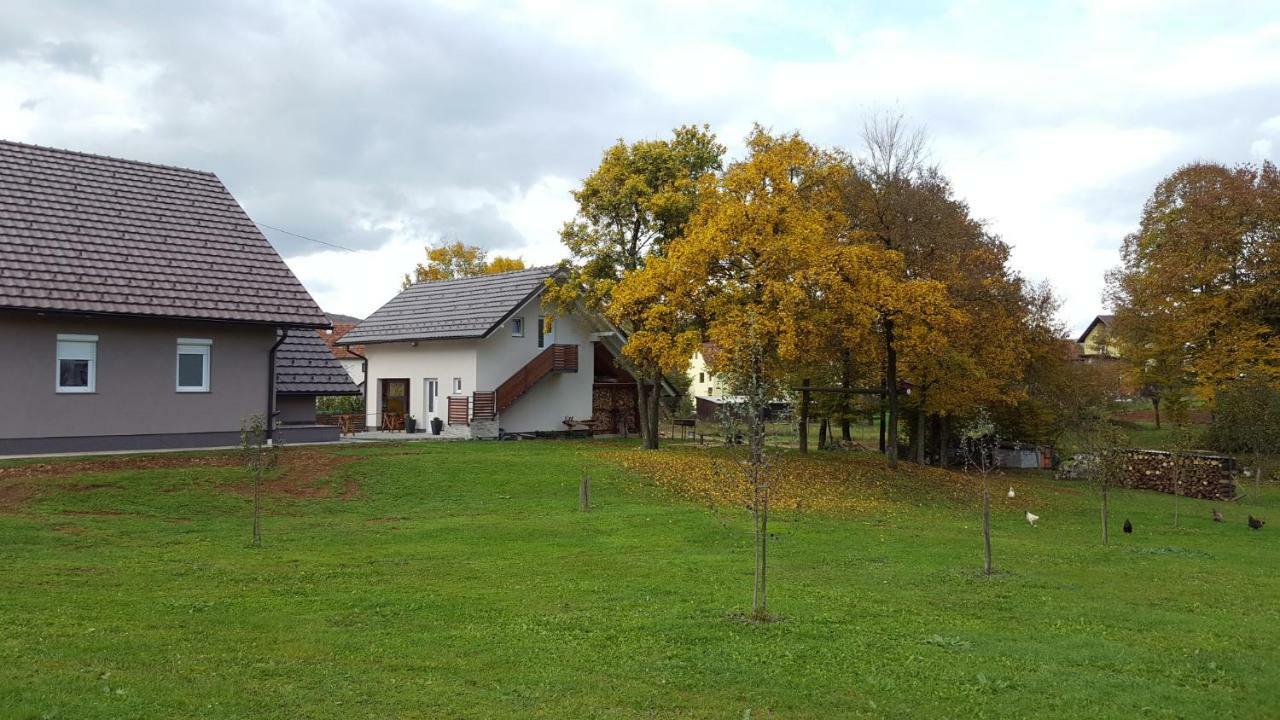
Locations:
{"points": [[1217, 516], [1256, 523]]}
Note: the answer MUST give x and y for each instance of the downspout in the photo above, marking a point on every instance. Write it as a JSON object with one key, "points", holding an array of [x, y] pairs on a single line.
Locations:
{"points": [[364, 382], [271, 385]]}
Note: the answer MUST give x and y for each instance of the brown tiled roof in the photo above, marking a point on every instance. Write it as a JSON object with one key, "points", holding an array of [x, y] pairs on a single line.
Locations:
{"points": [[93, 234], [341, 352], [304, 366]]}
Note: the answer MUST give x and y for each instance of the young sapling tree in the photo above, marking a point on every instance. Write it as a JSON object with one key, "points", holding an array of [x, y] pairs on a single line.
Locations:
{"points": [[259, 455], [979, 441]]}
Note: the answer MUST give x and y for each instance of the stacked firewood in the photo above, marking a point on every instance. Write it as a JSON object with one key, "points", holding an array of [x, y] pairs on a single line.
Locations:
{"points": [[1196, 475]]}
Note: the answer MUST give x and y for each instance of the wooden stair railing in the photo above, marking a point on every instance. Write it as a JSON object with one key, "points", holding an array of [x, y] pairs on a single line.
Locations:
{"points": [[484, 405], [459, 410], [557, 358]]}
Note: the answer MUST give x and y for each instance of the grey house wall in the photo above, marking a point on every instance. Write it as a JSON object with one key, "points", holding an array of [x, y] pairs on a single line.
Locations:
{"points": [[296, 409], [136, 404]]}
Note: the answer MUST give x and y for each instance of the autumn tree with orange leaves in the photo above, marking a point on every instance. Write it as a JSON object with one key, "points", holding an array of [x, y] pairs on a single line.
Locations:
{"points": [[630, 208], [767, 271], [448, 261], [1197, 296]]}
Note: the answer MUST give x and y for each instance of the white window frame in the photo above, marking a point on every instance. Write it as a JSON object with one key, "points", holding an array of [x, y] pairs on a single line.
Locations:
{"points": [[192, 346], [92, 342], [457, 386], [517, 327]]}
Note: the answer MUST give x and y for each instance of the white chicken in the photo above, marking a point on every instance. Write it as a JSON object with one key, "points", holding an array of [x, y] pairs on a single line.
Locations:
{"points": [[1011, 493], [1032, 518]]}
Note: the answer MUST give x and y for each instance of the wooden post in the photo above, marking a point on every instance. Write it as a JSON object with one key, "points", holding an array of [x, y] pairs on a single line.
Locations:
{"points": [[804, 416], [584, 492]]}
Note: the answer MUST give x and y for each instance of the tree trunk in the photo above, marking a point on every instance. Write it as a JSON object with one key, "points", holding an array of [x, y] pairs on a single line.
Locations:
{"points": [[846, 433], [1257, 477], [944, 441], [760, 484], [1106, 540], [655, 413], [891, 381], [822, 435], [804, 416], [920, 439], [642, 415], [257, 507], [986, 525], [1155, 403]]}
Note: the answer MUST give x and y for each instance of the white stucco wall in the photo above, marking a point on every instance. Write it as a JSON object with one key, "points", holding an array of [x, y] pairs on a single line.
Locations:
{"points": [[354, 368], [484, 365], [558, 395], [443, 360], [703, 384]]}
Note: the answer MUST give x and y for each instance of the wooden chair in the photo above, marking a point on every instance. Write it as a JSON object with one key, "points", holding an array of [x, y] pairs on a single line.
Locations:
{"points": [[347, 424], [393, 421]]}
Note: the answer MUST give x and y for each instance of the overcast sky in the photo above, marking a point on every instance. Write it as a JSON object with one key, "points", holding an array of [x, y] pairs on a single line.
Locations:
{"points": [[385, 126]]}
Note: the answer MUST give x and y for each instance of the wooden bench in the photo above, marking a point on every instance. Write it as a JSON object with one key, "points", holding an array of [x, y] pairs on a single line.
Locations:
{"points": [[577, 428]]}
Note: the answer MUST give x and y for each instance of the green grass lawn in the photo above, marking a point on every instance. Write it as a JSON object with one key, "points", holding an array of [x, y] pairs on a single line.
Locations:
{"points": [[459, 580]]}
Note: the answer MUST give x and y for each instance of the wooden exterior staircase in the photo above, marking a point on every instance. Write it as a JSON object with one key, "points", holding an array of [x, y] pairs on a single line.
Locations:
{"points": [[554, 359]]}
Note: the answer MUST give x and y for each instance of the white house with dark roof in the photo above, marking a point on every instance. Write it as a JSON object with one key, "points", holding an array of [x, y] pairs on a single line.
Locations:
{"points": [[1097, 340], [483, 355], [141, 308]]}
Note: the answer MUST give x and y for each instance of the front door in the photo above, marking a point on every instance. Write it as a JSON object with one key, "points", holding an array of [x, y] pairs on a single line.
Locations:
{"points": [[431, 395], [395, 398]]}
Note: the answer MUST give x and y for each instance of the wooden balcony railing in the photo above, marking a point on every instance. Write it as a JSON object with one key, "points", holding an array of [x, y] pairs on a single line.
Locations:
{"points": [[557, 358]]}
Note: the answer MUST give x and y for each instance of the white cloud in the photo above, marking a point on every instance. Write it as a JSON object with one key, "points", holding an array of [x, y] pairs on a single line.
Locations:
{"points": [[357, 283], [404, 123]]}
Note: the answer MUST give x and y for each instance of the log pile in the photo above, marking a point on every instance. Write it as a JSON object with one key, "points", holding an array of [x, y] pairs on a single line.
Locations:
{"points": [[614, 409], [1203, 476]]}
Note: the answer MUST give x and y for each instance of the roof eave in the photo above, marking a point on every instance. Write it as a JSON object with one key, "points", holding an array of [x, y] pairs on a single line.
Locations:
{"points": [[160, 316]]}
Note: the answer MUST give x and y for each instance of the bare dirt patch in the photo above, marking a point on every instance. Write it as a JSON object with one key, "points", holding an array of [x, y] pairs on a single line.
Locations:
{"points": [[117, 464], [69, 529], [303, 475], [14, 496], [90, 487]]}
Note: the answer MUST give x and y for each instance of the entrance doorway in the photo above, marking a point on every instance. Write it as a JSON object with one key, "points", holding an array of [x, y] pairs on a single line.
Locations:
{"points": [[430, 396], [395, 402]]}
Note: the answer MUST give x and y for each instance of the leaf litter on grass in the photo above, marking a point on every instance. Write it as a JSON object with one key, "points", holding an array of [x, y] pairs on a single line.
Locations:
{"points": [[843, 482]]}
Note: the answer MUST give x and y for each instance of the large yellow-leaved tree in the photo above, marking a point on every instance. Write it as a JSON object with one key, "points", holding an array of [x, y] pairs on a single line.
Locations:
{"points": [[1197, 297], [448, 261], [630, 208], [765, 269]]}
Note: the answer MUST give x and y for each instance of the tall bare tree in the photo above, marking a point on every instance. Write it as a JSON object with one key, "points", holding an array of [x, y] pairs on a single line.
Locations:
{"points": [[896, 157]]}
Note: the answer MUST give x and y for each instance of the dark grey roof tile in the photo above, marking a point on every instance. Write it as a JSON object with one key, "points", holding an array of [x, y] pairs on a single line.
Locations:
{"points": [[450, 309], [306, 366]]}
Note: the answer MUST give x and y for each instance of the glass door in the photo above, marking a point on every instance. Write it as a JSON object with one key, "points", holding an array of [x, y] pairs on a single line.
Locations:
{"points": [[430, 396]]}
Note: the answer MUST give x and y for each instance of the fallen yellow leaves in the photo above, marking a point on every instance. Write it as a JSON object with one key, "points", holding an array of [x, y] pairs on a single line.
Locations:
{"points": [[844, 482]]}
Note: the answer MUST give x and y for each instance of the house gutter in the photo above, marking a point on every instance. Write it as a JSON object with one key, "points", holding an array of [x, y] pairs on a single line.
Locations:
{"points": [[364, 371], [271, 384]]}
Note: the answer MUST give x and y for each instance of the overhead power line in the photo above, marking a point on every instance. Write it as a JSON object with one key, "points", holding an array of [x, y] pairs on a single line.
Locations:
{"points": [[303, 237]]}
